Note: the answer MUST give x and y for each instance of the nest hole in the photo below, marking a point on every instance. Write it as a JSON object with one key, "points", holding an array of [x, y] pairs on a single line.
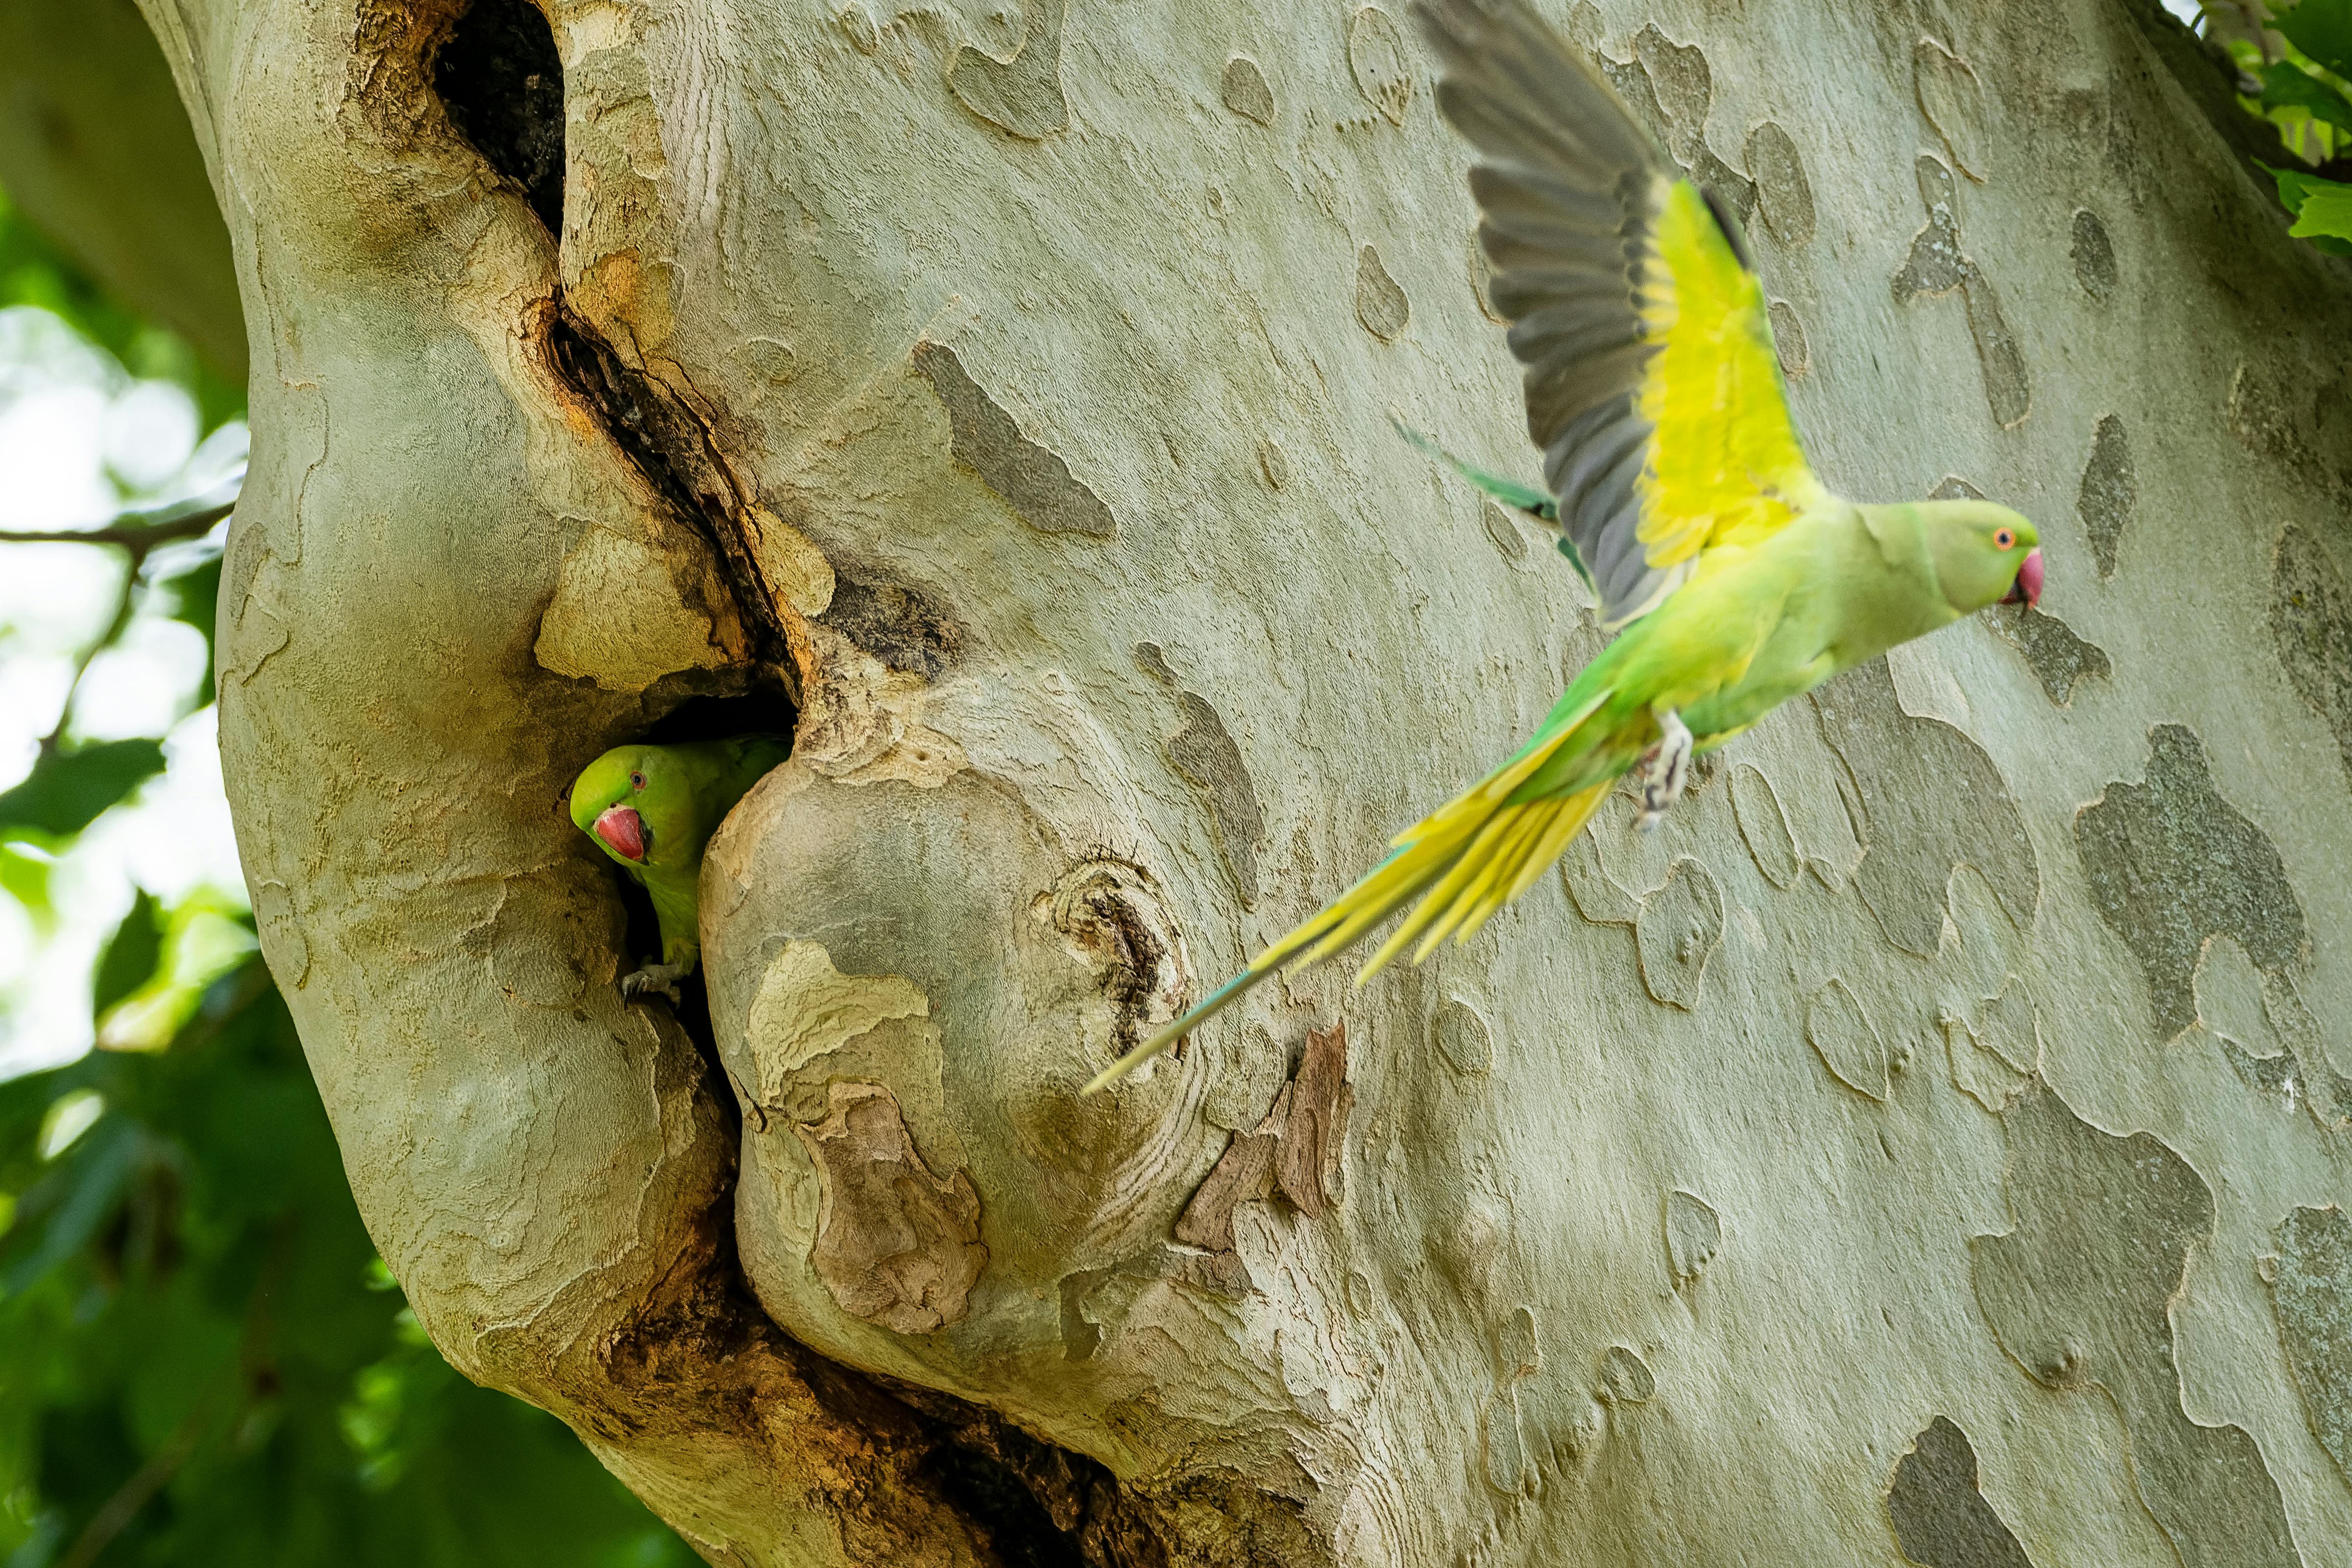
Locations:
{"points": [[502, 81]]}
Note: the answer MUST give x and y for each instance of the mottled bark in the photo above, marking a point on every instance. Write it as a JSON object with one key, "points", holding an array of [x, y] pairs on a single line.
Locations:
{"points": [[1881, 1160]]}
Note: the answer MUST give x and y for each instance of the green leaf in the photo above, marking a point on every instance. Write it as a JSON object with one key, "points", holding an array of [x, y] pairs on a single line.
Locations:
{"points": [[67, 789], [2326, 211], [2322, 208], [2288, 85], [193, 1270], [203, 940], [2322, 29], [131, 956]]}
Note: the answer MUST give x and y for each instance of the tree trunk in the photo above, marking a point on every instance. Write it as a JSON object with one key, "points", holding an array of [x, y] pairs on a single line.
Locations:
{"points": [[1928, 1145]]}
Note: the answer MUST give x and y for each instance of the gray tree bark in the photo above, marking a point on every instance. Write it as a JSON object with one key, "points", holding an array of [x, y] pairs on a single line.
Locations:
{"points": [[1931, 1146]]}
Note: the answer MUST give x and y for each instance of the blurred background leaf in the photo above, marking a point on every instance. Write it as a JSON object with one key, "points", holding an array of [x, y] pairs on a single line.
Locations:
{"points": [[2295, 74], [201, 1358]]}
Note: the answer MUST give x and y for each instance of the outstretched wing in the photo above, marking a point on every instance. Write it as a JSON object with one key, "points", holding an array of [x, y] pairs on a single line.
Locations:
{"points": [[1652, 384]]}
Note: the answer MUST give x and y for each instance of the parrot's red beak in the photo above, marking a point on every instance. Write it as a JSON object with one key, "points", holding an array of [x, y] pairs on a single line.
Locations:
{"points": [[2027, 589], [622, 831]]}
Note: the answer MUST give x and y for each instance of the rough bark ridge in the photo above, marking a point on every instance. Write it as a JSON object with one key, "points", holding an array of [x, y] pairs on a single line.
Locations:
{"points": [[1931, 1145]]}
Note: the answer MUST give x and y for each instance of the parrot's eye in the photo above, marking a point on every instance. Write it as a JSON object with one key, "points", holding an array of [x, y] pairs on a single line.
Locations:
{"points": [[638, 781], [2004, 538]]}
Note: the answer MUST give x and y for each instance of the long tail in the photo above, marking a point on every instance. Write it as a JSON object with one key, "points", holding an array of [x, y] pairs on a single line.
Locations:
{"points": [[1539, 504], [1465, 861]]}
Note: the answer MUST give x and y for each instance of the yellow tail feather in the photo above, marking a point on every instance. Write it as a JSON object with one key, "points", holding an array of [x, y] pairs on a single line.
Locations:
{"points": [[1480, 852]]}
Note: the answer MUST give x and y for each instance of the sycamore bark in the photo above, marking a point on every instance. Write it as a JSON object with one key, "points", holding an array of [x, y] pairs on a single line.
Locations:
{"points": [[1932, 1145]]}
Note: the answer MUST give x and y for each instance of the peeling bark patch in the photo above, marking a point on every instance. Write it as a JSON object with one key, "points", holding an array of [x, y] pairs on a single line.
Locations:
{"points": [[1034, 483], [1243, 90], [1591, 888], [502, 81], [1842, 1036], [1679, 75], [2110, 487], [895, 1245], [1694, 1235], [1993, 1058], [1679, 928], [1205, 754], [1295, 1149], [1501, 533], [1464, 1039], [1022, 96], [1503, 1442], [896, 624], [1380, 304], [1376, 58], [2278, 1078], [2170, 863], [1242, 1174], [1941, 1517], [1307, 1158], [1789, 344], [1783, 192], [2057, 657], [1764, 825], [2080, 1293], [1931, 800], [2092, 254], [2310, 1291], [1937, 265], [1953, 100], [2259, 417], [1625, 1378], [1272, 465], [2311, 624]]}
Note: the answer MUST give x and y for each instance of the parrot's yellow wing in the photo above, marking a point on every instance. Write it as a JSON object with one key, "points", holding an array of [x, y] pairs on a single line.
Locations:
{"points": [[1652, 384]]}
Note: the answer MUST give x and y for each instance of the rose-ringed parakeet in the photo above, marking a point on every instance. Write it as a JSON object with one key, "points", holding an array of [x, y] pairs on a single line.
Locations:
{"points": [[1732, 578], [652, 808]]}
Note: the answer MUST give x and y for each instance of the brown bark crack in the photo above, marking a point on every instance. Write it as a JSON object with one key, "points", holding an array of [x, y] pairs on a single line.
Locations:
{"points": [[674, 449]]}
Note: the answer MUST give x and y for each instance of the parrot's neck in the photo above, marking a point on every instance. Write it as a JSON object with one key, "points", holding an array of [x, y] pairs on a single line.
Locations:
{"points": [[1883, 585]]}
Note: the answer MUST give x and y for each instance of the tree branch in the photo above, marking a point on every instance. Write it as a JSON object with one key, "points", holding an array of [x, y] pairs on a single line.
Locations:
{"points": [[136, 531], [140, 533]]}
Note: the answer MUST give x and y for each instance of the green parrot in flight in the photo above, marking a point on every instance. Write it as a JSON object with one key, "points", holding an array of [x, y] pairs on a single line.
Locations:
{"points": [[1732, 578], [653, 808]]}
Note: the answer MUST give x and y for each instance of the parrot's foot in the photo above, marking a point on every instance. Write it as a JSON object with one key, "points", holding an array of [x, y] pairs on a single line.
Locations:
{"points": [[661, 977], [1664, 769]]}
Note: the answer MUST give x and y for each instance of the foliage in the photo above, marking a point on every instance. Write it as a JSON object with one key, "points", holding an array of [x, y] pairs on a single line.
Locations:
{"points": [[2306, 92], [201, 1358], [201, 1361], [34, 272]]}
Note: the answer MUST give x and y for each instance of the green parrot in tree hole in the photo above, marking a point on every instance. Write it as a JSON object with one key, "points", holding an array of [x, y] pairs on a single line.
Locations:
{"points": [[653, 808]]}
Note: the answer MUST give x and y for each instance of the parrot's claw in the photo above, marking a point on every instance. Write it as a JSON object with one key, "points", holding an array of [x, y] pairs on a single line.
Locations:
{"points": [[661, 977], [1664, 769]]}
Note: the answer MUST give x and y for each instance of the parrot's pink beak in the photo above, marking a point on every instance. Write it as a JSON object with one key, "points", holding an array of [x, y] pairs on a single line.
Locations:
{"points": [[622, 831], [2027, 589]]}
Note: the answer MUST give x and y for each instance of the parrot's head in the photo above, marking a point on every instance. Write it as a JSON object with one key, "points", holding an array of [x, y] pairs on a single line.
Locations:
{"points": [[1984, 554], [621, 800]]}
